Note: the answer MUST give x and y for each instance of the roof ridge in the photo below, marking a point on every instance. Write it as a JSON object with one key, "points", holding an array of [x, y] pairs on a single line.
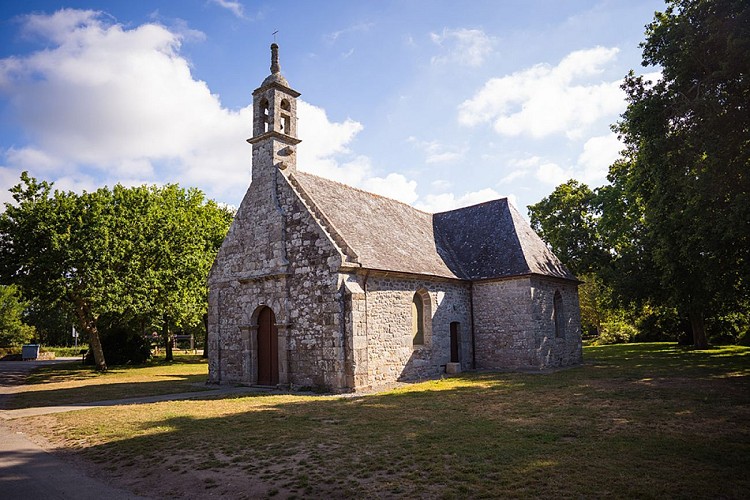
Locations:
{"points": [[323, 221], [521, 245], [455, 261], [527, 249]]}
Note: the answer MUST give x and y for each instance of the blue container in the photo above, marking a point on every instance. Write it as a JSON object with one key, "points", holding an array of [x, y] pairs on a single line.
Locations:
{"points": [[30, 351]]}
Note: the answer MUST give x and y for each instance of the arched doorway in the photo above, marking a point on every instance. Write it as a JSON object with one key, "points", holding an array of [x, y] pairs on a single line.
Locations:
{"points": [[268, 348]]}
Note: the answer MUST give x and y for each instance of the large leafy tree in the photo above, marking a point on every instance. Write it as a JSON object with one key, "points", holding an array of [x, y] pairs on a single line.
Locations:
{"points": [[571, 221], [687, 163], [127, 252], [567, 221], [183, 234]]}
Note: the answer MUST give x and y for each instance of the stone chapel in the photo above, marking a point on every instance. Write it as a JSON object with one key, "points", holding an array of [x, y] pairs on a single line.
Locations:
{"points": [[319, 285]]}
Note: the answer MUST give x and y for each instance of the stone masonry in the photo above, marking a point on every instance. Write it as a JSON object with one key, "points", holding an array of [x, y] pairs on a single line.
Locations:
{"points": [[365, 291]]}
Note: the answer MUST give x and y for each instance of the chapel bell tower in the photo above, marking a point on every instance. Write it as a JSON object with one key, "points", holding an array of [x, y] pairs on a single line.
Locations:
{"points": [[274, 137]]}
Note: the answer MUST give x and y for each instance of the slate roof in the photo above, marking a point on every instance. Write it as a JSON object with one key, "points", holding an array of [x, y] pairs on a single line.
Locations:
{"points": [[489, 240], [492, 240]]}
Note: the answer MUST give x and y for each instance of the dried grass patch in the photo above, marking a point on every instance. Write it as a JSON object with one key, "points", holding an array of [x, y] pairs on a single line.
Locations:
{"points": [[620, 426]]}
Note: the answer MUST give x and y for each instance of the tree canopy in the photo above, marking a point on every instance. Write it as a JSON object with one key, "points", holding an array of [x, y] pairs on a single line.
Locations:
{"points": [[140, 252], [688, 154], [674, 224]]}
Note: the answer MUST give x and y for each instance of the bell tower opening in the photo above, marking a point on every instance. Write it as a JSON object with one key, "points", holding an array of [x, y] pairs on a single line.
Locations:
{"points": [[274, 137], [265, 117], [286, 117]]}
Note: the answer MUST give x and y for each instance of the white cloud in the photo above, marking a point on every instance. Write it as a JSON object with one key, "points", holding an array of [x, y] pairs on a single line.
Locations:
{"points": [[121, 102], [324, 144], [441, 185], [58, 26], [597, 155], [466, 47], [356, 28], [520, 168], [552, 174], [436, 152], [543, 100], [323, 140], [448, 201], [232, 6], [105, 103], [545, 171], [394, 186], [120, 105]]}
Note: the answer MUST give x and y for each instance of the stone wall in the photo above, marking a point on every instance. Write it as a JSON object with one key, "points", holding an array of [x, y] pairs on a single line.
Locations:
{"points": [[563, 348], [250, 271], [316, 329], [276, 255], [504, 331], [391, 353], [515, 326]]}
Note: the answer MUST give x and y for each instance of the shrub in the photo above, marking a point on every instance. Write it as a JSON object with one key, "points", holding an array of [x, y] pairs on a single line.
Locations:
{"points": [[659, 324], [730, 328], [65, 351], [13, 331], [122, 346], [616, 332]]}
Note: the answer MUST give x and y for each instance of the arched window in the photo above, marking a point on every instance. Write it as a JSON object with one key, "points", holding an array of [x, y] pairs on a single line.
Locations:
{"points": [[417, 320], [557, 313]]}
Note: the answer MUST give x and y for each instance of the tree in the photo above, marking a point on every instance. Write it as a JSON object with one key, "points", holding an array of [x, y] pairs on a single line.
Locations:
{"points": [[567, 221], [124, 252], [183, 235], [13, 330], [68, 250], [687, 161]]}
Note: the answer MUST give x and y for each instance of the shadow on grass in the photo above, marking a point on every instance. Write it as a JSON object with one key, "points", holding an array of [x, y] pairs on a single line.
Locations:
{"points": [[477, 435], [69, 384], [102, 392], [669, 359]]}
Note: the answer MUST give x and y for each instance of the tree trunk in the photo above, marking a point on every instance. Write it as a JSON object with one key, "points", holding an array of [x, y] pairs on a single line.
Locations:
{"points": [[88, 324], [698, 325], [205, 339], [167, 339], [95, 344]]}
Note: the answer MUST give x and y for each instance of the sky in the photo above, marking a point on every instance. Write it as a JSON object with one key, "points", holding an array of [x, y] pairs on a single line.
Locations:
{"points": [[439, 104]]}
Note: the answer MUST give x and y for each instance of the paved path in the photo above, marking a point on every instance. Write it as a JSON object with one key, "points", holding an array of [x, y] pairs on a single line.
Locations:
{"points": [[29, 472], [46, 410]]}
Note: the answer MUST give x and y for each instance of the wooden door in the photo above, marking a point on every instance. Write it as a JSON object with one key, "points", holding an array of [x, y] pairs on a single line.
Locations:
{"points": [[268, 348], [454, 342]]}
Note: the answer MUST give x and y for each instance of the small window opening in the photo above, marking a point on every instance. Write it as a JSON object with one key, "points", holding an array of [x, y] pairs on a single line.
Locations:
{"points": [[265, 115], [455, 342], [557, 312], [285, 123], [417, 320]]}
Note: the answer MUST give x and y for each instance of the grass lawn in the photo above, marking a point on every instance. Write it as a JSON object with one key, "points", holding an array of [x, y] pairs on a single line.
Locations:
{"points": [[72, 383], [636, 421]]}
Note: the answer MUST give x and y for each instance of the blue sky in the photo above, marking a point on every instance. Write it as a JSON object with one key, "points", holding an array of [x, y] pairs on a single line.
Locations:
{"points": [[439, 104]]}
